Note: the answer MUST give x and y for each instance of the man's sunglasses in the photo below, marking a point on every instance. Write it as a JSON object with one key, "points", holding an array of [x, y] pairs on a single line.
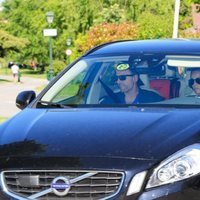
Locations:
{"points": [[122, 77], [191, 81]]}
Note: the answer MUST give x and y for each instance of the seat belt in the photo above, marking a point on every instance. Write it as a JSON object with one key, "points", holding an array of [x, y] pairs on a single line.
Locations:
{"points": [[110, 93]]}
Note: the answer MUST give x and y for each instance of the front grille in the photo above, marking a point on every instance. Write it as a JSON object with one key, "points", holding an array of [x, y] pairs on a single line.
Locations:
{"points": [[84, 185]]}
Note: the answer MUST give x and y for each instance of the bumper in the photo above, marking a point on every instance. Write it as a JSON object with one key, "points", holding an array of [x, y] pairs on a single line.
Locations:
{"points": [[184, 190]]}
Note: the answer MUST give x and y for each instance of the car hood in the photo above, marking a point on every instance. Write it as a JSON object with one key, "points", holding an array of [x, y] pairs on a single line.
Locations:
{"points": [[141, 133]]}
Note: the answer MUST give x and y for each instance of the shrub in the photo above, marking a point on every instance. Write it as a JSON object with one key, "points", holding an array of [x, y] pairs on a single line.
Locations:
{"points": [[58, 66], [106, 32]]}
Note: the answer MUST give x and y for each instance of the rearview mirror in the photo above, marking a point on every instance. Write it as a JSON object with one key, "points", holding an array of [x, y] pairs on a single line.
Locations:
{"points": [[24, 98]]}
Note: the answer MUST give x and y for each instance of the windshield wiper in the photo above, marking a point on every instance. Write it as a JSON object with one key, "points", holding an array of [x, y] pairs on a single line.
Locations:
{"points": [[52, 104]]}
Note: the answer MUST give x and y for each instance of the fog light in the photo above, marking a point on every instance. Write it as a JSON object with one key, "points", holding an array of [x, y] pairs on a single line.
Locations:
{"points": [[136, 183]]}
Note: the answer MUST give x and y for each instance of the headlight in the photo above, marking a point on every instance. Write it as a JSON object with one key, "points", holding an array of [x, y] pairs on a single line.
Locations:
{"points": [[181, 165]]}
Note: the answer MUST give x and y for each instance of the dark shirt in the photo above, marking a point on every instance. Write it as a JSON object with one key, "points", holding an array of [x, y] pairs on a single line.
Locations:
{"points": [[144, 96]]}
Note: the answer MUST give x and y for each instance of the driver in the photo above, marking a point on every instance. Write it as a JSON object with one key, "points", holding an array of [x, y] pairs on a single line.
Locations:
{"points": [[129, 84]]}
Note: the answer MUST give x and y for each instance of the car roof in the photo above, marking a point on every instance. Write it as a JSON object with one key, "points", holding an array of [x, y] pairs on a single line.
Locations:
{"points": [[178, 46]]}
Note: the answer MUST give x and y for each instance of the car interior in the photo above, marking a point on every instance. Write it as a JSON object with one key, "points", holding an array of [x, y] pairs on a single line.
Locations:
{"points": [[160, 78]]}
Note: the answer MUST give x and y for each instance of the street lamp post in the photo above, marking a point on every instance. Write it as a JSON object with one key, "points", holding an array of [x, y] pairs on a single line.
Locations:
{"points": [[68, 41], [49, 18]]}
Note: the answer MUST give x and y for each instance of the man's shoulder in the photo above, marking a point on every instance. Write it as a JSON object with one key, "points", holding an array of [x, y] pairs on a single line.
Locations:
{"points": [[151, 96], [148, 92]]}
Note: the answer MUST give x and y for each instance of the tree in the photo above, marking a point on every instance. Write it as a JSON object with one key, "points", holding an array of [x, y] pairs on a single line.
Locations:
{"points": [[26, 19], [155, 18], [112, 14], [193, 1], [10, 44], [157, 27], [106, 33]]}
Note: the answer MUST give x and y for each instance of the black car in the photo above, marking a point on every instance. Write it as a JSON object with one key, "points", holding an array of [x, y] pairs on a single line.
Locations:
{"points": [[86, 137]]}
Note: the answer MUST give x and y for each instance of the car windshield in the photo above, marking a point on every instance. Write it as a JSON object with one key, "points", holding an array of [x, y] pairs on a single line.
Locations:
{"points": [[136, 79]]}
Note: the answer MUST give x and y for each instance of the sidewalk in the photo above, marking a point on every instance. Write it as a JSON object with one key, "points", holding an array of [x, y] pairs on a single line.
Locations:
{"points": [[10, 90]]}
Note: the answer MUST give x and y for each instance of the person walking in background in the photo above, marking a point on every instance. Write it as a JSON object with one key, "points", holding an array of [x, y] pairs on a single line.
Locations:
{"points": [[10, 64], [15, 72], [19, 77]]}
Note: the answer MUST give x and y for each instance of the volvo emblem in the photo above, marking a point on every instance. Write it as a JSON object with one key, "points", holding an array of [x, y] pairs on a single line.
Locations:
{"points": [[60, 186]]}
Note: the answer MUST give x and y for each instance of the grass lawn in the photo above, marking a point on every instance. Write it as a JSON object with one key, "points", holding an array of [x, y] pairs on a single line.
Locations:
{"points": [[25, 72], [32, 73], [4, 81]]}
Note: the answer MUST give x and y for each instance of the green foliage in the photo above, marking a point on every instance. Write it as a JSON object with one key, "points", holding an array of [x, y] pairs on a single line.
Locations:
{"points": [[155, 26], [10, 44], [193, 1], [87, 22], [112, 14], [185, 19], [3, 63], [26, 19], [155, 19], [58, 66]]}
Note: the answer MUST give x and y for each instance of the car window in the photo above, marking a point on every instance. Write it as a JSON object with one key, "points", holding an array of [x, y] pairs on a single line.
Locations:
{"points": [[71, 89], [156, 79]]}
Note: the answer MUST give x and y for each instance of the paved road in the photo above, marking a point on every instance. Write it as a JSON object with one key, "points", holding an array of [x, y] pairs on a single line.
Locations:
{"points": [[9, 91]]}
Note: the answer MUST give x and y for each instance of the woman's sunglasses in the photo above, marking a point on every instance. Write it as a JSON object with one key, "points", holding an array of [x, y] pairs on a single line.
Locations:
{"points": [[191, 81], [122, 77]]}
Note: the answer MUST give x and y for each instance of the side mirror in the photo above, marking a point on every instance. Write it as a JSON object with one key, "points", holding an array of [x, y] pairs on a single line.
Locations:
{"points": [[24, 98]]}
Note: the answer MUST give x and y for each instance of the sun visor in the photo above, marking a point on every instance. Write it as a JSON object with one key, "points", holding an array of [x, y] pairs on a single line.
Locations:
{"points": [[183, 61]]}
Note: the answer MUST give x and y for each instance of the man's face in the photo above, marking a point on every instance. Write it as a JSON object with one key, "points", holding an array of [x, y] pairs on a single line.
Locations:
{"points": [[129, 82], [196, 86]]}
